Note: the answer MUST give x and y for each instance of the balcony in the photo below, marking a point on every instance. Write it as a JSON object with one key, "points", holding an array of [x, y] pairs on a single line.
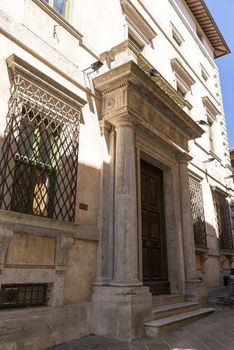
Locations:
{"points": [[127, 51]]}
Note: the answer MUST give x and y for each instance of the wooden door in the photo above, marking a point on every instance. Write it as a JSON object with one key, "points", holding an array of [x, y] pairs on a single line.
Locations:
{"points": [[154, 254]]}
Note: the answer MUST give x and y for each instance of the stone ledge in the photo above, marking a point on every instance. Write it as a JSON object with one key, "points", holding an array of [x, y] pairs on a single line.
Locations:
{"points": [[35, 225]]}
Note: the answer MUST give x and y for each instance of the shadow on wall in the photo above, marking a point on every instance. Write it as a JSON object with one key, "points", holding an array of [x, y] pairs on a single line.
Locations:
{"points": [[213, 262]]}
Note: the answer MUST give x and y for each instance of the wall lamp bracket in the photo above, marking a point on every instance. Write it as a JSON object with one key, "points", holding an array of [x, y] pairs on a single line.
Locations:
{"points": [[55, 35], [202, 122], [94, 67], [208, 160]]}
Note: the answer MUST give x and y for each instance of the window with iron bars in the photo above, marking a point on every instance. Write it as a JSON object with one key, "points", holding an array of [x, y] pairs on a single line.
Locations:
{"points": [[22, 295], [39, 161], [223, 221], [198, 217]]}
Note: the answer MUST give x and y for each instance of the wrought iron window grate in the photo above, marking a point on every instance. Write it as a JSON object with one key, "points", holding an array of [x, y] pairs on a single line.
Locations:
{"points": [[223, 221], [39, 161], [22, 295], [198, 217]]}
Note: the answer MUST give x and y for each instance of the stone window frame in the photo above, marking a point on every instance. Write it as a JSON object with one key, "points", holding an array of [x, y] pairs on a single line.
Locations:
{"points": [[177, 37], [61, 20], [136, 24], [29, 89], [66, 11], [183, 80], [205, 75], [211, 113]]}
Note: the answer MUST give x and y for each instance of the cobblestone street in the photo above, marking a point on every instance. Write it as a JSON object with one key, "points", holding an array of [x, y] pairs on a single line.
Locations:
{"points": [[215, 332]]}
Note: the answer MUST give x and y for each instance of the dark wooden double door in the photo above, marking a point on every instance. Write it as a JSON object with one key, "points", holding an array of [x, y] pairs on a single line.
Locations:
{"points": [[154, 252]]}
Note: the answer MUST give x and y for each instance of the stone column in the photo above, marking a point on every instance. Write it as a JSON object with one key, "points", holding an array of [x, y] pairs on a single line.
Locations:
{"points": [[120, 309], [125, 225], [187, 227]]}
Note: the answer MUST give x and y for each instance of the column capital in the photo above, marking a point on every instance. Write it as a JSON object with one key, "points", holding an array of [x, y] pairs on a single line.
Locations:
{"points": [[183, 157], [122, 121]]}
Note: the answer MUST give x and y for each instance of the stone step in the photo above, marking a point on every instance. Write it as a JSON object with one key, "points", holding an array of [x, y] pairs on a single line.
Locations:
{"points": [[174, 309], [163, 325], [165, 299]]}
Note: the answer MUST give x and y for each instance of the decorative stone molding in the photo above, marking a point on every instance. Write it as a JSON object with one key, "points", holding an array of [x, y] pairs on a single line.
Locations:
{"points": [[18, 66], [64, 244], [129, 52], [218, 189], [184, 157], [6, 234], [211, 110], [35, 225], [137, 23], [105, 127], [181, 73], [128, 89]]}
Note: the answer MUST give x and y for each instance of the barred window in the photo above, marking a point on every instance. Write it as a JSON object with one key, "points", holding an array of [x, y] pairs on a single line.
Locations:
{"points": [[223, 220], [198, 217], [39, 161]]}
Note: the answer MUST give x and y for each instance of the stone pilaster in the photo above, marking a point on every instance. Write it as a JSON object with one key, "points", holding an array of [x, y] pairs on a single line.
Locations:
{"points": [[102, 277], [187, 227]]}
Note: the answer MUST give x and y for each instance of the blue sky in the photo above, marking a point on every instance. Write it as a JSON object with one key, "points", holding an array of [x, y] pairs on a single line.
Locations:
{"points": [[223, 13]]}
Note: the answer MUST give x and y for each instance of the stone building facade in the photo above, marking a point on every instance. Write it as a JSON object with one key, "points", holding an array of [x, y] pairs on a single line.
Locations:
{"points": [[114, 165]]}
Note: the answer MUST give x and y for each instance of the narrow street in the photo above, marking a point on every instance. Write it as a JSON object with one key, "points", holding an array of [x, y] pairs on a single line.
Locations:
{"points": [[215, 332]]}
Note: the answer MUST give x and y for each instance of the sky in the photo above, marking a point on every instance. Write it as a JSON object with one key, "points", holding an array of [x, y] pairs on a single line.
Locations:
{"points": [[223, 14]]}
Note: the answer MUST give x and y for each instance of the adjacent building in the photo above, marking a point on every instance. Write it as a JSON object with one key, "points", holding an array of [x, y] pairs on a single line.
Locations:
{"points": [[115, 187]]}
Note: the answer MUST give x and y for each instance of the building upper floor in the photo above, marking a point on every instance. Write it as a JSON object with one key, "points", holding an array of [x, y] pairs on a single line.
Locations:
{"points": [[179, 38]]}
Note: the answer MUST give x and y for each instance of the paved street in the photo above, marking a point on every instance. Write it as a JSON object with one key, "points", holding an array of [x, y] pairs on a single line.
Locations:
{"points": [[215, 332]]}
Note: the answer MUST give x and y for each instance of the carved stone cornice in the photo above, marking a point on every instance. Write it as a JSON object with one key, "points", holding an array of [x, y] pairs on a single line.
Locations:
{"points": [[17, 66], [184, 158], [127, 89], [132, 52]]}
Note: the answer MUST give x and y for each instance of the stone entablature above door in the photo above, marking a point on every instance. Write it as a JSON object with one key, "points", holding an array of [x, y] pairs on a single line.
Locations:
{"points": [[128, 92]]}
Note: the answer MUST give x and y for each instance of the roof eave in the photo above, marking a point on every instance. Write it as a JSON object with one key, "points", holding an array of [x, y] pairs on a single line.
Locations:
{"points": [[207, 24]]}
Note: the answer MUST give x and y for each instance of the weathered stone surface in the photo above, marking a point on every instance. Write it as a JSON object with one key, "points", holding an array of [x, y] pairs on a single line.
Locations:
{"points": [[40, 328], [120, 311], [31, 250], [80, 272]]}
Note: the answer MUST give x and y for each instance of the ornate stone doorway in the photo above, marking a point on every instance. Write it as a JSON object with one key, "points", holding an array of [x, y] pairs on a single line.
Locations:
{"points": [[154, 251]]}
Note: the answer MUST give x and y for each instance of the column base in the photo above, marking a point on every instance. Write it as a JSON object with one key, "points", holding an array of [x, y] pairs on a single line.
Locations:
{"points": [[120, 312]]}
